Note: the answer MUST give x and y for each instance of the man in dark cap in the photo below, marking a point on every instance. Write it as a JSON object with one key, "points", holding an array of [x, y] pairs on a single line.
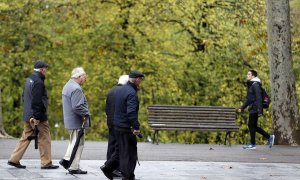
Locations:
{"points": [[40, 64], [35, 113], [127, 127]]}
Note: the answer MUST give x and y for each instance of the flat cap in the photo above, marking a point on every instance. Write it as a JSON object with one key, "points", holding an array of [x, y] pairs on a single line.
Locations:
{"points": [[136, 74], [40, 64]]}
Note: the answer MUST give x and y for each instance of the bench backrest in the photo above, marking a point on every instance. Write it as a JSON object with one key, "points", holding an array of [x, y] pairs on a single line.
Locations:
{"points": [[206, 118]]}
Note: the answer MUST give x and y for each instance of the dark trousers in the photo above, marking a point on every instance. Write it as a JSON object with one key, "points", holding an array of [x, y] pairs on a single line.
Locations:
{"points": [[127, 146], [111, 143], [112, 155], [253, 128]]}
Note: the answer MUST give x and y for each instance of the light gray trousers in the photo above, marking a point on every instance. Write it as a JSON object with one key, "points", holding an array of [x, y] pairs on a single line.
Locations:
{"points": [[73, 136]]}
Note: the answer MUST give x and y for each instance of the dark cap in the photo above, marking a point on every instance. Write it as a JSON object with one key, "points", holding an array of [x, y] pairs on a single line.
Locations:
{"points": [[40, 64], [136, 74]]}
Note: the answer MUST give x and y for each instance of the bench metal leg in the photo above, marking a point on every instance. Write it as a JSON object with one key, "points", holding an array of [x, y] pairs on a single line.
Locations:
{"points": [[155, 138], [227, 134]]}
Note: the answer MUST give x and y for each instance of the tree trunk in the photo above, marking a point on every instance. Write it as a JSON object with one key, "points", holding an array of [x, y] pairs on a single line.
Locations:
{"points": [[284, 99], [3, 134]]}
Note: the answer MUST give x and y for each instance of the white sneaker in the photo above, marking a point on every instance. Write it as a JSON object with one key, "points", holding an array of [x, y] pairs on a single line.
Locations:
{"points": [[271, 141], [249, 146]]}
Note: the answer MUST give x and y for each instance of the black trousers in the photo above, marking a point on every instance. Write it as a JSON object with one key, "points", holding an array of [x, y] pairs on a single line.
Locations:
{"points": [[111, 143], [112, 155], [127, 147], [253, 128]]}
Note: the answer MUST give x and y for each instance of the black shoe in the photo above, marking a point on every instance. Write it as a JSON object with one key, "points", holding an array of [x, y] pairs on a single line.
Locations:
{"points": [[17, 165], [107, 172], [124, 178], [64, 163], [50, 167], [117, 173], [78, 171]]}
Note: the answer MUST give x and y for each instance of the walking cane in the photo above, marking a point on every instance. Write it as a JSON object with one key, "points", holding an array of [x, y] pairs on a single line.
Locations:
{"points": [[34, 135], [80, 134]]}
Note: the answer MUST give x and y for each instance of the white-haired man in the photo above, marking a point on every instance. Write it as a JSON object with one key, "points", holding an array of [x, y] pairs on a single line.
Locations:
{"points": [[75, 109], [112, 155]]}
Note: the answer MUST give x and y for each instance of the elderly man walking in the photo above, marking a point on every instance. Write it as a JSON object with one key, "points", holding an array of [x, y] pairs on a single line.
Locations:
{"points": [[112, 154], [126, 127], [75, 110], [35, 108]]}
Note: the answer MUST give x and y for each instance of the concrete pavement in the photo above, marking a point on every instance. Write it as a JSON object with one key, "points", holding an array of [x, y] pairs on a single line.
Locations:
{"points": [[164, 170], [166, 161]]}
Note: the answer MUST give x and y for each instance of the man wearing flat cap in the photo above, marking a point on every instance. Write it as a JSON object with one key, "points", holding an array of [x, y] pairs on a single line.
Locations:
{"points": [[35, 109], [127, 127]]}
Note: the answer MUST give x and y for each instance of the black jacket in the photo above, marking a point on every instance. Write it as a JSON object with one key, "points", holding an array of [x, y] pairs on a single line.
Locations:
{"points": [[35, 98], [253, 98], [126, 107], [110, 106]]}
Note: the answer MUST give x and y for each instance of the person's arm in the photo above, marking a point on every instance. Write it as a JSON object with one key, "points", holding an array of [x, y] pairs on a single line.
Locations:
{"points": [[258, 98], [132, 111], [79, 105], [107, 103], [246, 103], [37, 105]]}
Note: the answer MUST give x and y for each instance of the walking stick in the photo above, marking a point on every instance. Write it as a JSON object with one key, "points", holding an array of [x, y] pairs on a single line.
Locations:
{"points": [[34, 135], [80, 134]]}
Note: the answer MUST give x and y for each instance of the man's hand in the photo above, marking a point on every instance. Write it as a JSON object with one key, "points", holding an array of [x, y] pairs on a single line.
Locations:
{"points": [[136, 132], [34, 121], [239, 110], [259, 114], [86, 117]]}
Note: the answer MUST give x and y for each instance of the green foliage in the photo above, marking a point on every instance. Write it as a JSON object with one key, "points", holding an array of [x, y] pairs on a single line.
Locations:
{"points": [[192, 52]]}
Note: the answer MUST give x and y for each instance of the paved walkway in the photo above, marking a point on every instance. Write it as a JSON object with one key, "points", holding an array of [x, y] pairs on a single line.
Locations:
{"points": [[164, 170], [167, 161]]}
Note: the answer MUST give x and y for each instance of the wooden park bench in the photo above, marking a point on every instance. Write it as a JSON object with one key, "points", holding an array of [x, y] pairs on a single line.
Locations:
{"points": [[192, 118]]}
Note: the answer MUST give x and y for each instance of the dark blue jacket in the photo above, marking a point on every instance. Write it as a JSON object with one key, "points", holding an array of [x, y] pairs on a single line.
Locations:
{"points": [[253, 98], [126, 107], [110, 106], [35, 98]]}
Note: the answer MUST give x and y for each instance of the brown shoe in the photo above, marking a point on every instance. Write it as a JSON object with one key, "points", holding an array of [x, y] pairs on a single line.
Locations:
{"points": [[17, 165]]}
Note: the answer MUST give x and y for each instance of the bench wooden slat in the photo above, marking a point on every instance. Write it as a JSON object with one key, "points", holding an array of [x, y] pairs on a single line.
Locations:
{"points": [[183, 118], [196, 113], [189, 122], [192, 124], [195, 121], [196, 129], [191, 108], [209, 108], [192, 114]]}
